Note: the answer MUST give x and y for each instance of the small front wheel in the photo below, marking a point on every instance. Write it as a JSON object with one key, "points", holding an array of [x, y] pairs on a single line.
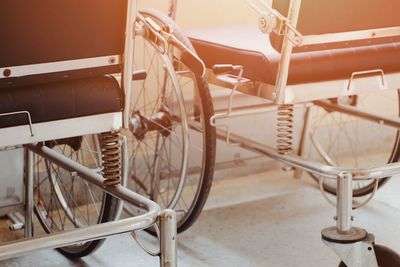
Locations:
{"points": [[385, 256]]}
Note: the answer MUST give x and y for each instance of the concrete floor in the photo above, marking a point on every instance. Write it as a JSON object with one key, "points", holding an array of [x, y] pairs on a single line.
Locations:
{"points": [[266, 219]]}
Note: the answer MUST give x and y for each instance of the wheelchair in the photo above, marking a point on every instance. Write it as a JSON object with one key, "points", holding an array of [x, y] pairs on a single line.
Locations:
{"points": [[336, 64], [98, 102]]}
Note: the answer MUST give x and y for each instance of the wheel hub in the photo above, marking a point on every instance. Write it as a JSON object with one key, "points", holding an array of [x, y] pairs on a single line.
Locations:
{"points": [[140, 125]]}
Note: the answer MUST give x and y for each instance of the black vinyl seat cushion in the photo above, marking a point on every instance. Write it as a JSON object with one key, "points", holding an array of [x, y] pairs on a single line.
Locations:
{"points": [[247, 46], [61, 100]]}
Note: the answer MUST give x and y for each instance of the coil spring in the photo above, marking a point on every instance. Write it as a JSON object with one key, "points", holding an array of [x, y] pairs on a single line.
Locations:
{"points": [[111, 155], [285, 129]]}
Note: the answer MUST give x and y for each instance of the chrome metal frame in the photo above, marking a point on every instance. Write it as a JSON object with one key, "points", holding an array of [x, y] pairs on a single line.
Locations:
{"points": [[29, 201], [164, 219], [356, 239], [351, 251], [128, 59], [348, 242], [327, 171], [272, 20]]}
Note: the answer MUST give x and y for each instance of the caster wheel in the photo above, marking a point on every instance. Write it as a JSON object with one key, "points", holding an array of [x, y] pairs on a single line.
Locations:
{"points": [[385, 256]]}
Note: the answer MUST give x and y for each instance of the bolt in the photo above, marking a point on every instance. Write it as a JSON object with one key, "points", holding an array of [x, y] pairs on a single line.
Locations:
{"points": [[111, 60], [7, 73], [263, 22], [287, 168]]}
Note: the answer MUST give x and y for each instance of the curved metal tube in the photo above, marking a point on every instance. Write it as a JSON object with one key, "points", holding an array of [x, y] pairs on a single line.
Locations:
{"points": [[95, 178], [88, 233]]}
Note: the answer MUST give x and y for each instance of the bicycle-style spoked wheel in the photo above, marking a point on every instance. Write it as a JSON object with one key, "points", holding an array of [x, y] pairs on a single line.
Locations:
{"points": [[63, 200], [339, 139], [172, 144]]}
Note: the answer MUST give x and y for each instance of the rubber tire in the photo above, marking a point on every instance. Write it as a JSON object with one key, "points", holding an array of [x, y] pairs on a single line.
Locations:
{"points": [[79, 251], [385, 256], [209, 131]]}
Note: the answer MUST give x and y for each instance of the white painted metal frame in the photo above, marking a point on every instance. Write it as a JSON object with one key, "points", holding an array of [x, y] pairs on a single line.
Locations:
{"points": [[59, 66], [19, 135], [306, 92], [128, 59]]}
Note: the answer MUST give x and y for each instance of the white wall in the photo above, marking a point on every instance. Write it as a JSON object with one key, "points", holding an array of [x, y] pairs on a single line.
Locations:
{"points": [[207, 13]]}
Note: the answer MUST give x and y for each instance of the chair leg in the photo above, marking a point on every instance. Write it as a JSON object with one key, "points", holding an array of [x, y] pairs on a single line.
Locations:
{"points": [[28, 176], [305, 135], [168, 239]]}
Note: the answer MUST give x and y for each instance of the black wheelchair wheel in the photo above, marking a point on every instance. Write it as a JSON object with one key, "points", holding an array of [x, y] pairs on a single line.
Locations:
{"points": [[156, 155], [64, 201]]}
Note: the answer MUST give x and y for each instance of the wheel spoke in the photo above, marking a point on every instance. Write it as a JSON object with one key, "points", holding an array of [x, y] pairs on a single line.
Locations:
{"points": [[63, 199], [157, 157], [349, 141]]}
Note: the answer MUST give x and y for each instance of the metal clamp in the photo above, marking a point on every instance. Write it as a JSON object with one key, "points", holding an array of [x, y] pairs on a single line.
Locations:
{"points": [[152, 28], [163, 38], [236, 81]]}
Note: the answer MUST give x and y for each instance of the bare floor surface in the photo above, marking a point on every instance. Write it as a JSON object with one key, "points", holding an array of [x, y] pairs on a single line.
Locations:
{"points": [[266, 219]]}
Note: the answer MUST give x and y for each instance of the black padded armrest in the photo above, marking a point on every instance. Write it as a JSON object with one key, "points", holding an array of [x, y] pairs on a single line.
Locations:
{"points": [[61, 100]]}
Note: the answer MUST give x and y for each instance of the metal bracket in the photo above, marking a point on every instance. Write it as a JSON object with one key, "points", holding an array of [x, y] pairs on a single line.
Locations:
{"points": [[193, 62], [358, 254], [21, 112], [141, 244], [154, 32], [236, 82], [161, 39], [367, 72], [273, 21]]}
